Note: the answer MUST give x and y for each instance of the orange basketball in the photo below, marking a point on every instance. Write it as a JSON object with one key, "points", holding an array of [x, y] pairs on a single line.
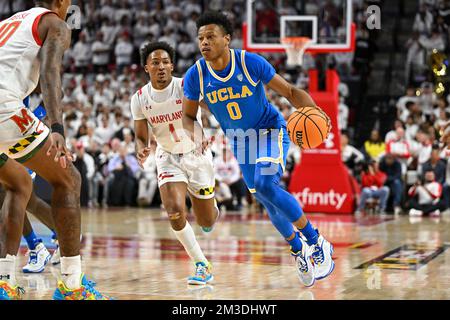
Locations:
{"points": [[307, 127]]}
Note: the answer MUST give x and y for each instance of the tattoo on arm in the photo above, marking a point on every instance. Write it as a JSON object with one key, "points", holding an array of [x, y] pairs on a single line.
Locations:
{"points": [[51, 55]]}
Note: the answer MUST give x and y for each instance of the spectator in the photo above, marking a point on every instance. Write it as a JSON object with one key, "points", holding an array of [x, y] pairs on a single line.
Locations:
{"points": [[104, 132], [343, 114], [422, 149], [410, 96], [148, 182], [393, 170], [374, 147], [82, 54], [101, 51], [350, 155], [399, 148], [169, 36], [122, 186], [110, 30], [223, 196], [428, 196], [423, 21], [123, 51], [228, 171], [85, 165], [100, 193], [436, 164], [435, 42], [427, 99], [186, 52], [439, 167], [372, 182], [392, 135], [412, 129]]}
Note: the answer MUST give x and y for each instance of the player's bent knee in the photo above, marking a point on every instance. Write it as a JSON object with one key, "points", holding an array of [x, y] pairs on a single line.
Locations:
{"points": [[71, 180], [21, 185], [174, 216], [264, 185]]}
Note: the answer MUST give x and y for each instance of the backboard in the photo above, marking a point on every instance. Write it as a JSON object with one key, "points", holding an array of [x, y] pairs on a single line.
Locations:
{"points": [[329, 23]]}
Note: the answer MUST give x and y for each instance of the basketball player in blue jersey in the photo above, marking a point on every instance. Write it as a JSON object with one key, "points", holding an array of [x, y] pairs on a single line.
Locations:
{"points": [[38, 255], [232, 83]]}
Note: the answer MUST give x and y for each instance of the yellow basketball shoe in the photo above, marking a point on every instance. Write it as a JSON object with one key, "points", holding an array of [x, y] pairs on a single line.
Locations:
{"points": [[8, 292], [203, 274], [85, 292]]}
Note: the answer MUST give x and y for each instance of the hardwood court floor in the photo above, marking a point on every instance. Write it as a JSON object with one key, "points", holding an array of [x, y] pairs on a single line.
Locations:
{"points": [[132, 254]]}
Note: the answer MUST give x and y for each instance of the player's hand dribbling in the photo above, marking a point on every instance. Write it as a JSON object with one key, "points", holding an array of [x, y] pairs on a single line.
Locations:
{"points": [[328, 119], [142, 155], [63, 155]]}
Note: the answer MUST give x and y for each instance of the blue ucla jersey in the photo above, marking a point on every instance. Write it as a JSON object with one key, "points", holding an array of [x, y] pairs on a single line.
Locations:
{"points": [[40, 113], [235, 95]]}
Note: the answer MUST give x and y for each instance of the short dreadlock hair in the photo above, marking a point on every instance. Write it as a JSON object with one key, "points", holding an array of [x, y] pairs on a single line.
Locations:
{"points": [[147, 50], [215, 17]]}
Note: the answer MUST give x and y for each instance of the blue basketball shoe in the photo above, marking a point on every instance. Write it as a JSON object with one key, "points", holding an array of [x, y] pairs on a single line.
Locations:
{"points": [[202, 275]]}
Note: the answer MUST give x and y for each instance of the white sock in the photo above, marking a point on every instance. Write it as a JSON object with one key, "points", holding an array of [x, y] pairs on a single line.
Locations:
{"points": [[71, 272], [8, 269], [187, 238]]}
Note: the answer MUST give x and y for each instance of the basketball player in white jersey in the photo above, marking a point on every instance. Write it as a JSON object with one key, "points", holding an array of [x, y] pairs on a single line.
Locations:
{"points": [[180, 168], [32, 44]]}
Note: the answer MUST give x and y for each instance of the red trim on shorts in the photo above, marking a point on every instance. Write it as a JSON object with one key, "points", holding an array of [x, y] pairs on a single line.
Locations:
{"points": [[34, 29]]}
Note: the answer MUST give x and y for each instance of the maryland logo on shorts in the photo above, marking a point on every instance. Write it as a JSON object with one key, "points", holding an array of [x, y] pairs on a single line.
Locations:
{"points": [[24, 143], [205, 191]]}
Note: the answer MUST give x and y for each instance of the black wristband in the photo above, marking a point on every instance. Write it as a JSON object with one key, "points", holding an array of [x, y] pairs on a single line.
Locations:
{"points": [[58, 128]]}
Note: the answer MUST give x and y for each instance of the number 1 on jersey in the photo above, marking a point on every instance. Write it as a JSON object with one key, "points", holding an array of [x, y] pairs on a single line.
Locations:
{"points": [[7, 30], [173, 133]]}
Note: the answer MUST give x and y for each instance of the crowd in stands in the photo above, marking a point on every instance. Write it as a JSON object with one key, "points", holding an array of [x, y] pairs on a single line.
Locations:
{"points": [[102, 71], [408, 170]]}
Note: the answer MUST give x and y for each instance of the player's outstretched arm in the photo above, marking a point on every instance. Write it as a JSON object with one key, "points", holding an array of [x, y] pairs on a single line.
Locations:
{"points": [[56, 36], [297, 97], [142, 136]]}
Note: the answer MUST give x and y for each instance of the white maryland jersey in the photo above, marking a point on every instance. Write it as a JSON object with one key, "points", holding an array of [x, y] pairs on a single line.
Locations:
{"points": [[19, 63], [163, 111]]}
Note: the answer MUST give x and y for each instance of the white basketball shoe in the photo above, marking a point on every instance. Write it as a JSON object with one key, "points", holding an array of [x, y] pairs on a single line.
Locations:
{"points": [[37, 259], [322, 257], [56, 257], [304, 264]]}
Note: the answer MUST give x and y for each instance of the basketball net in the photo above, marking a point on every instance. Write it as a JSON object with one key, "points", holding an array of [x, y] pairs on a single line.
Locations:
{"points": [[295, 48]]}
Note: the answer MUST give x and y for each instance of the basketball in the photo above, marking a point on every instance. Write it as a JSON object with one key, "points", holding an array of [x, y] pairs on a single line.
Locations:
{"points": [[308, 127]]}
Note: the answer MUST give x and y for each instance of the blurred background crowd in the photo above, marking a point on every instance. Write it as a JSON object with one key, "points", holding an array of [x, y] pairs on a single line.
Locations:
{"points": [[399, 163]]}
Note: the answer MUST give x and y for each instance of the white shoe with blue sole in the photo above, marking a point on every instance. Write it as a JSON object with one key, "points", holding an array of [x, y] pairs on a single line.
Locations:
{"points": [[304, 264], [37, 259], [323, 258]]}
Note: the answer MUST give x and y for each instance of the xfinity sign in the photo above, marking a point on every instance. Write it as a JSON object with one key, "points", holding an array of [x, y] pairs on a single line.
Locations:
{"points": [[331, 198]]}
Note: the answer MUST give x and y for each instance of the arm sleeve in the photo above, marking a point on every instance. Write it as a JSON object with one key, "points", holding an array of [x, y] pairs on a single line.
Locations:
{"points": [[259, 68], [136, 110], [191, 84]]}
